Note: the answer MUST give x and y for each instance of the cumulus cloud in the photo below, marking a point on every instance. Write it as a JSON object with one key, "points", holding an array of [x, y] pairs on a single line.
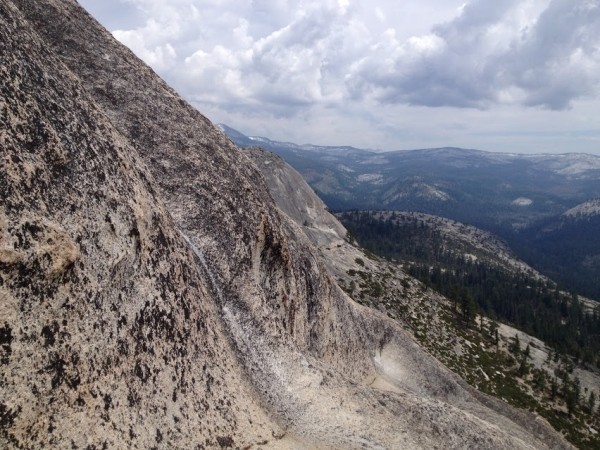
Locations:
{"points": [[502, 52], [286, 57], [160, 56], [558, 59], [292, 65]]}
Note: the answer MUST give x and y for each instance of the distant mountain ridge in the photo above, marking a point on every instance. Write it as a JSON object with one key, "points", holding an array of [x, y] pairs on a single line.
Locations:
{"points": [[516, 196], [497, 191], [572, 164]]}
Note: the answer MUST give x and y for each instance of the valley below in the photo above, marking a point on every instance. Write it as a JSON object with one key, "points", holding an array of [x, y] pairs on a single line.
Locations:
{"points": [[496, 358], [543, 206]]}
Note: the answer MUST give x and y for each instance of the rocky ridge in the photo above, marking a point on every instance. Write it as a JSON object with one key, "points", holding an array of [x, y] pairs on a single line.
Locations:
{"points": [[475, 242], [153, 295], [484, 355], [586, 209]]}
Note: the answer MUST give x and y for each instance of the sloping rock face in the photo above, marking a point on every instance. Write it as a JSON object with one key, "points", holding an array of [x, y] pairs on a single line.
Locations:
{"points": [[107, 329], [297, 199], [216, 196], [152, 294]]}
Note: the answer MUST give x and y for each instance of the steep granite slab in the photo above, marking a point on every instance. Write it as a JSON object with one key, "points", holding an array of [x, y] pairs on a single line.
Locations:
{"points": [[109, 336]]}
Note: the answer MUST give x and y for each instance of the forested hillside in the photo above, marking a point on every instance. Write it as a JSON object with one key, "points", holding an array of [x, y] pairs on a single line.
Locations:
{"points": [[468, 275], [567, 249]]}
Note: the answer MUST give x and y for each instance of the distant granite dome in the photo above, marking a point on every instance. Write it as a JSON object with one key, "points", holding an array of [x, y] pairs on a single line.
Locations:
{"points": [[586, 209], [152, 295]]}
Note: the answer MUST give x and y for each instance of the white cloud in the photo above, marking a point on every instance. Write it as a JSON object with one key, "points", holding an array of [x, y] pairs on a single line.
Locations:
{"points": [[312, 61], [287, 67], [507, 51], [343, 4], [160, 57]]}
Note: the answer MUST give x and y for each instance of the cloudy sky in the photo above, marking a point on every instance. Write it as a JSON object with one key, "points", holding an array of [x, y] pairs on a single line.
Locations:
{"points": [[499, 75]]}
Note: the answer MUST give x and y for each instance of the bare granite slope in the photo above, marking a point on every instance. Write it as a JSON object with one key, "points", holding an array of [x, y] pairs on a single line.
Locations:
{"points": [[107, 327], [297, 199], [152, 294]]}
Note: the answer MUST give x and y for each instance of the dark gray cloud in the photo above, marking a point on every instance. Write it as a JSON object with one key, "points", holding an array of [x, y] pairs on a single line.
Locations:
{"points": [[493, 54], [558, 60]]}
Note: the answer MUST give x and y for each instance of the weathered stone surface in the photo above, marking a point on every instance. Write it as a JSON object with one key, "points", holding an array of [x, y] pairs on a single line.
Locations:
{"points": [[109, 336], [152, 294], [297, 199]]}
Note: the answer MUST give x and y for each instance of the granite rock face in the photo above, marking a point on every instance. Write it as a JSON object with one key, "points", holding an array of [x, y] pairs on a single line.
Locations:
{"points": [[153, 295], [296, 198], [107, 324]]}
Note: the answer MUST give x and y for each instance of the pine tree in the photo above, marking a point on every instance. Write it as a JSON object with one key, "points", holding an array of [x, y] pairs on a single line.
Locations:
{"points": [[554, 388], [468, 307], [577, 390], [549, 359], [493, 328], [523, 367], [515, 346], [591, 403], [571, 402], [539, 379]]}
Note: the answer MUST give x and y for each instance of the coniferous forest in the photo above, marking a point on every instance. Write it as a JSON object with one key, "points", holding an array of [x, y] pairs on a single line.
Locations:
{"points": [[566, 249], [530, 303]]}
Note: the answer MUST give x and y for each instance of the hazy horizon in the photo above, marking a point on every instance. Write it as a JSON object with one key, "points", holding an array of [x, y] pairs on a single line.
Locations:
{"points": [[376, 150]]}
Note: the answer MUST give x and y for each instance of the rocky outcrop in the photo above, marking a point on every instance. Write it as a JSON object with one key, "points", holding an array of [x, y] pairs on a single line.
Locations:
{"points": [[108, 327], [583, 210], [152, 294], [296, 199]]}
